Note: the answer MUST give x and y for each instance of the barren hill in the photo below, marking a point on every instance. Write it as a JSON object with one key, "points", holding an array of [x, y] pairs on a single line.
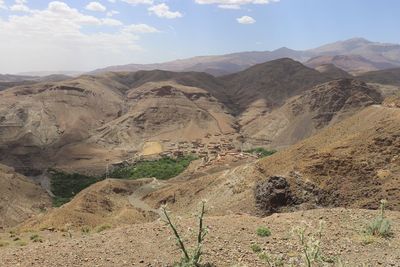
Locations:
{"points": [[104, 203], [20, 198], [390, 77], [90, 120], [333, 71], [272, 82], [306, 114], [354, 64], [353, 163]]}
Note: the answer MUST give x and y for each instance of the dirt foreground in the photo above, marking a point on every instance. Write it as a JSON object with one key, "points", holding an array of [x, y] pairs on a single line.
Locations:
{"points": [[228, 243]]}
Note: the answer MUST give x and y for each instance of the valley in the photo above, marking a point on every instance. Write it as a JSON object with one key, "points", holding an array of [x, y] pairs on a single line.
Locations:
{"points": [[90, 161]]}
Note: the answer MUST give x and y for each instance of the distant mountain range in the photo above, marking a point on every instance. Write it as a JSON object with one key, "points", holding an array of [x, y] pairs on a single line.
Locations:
{"points": [[355, 55]]}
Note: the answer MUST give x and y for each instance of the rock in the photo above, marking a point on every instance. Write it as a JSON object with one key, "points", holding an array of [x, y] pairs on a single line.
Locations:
{"points": [[272, 194]]}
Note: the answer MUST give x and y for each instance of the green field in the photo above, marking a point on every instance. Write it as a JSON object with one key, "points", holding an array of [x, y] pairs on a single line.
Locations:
{"points": [[65, 186]]}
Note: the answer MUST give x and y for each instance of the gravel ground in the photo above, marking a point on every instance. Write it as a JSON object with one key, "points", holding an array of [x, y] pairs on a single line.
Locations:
{"points": [[227, 244]]}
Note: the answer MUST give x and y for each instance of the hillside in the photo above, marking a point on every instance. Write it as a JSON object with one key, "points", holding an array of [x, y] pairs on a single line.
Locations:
{"points": [[105, 203], [333, 71], [84, 123], [353, 163], [306, 114], [388, 77], [20, 198], [271, 83]]}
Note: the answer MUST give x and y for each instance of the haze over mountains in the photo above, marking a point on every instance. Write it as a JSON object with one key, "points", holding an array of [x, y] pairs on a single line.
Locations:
{"points": [[354, 55]]}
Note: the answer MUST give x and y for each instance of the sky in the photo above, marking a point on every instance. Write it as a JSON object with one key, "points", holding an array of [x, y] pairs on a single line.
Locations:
{"points": [[82, 35]]}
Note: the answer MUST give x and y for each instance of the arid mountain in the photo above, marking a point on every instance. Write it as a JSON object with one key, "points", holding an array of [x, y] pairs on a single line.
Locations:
{"points": [[215, 65], [351, 63], [353, 163], [271, 83], [106, 202], [20, 198], [371, 56], [373, 51], [88, 121], [333, 71], [388, 77], [306, 114], [15, 78], [8, 81]]}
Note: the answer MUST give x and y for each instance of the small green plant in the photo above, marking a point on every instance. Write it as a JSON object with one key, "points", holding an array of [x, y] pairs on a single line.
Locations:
{"points": [[380, 226], [36, 238], [3, 244], [103, 227], [271, 260], [21, 243], [263, 231], [311, 246], [190, 258], [255, 248], [261, 152], [85, 230]]}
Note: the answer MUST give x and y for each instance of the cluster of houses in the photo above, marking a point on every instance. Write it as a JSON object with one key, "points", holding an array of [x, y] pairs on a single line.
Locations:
{"points": [[210, 151], [197, 147]]}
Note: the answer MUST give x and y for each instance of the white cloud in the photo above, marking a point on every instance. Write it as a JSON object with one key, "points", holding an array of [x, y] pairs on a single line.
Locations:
{"points": [[137, 2], [112, 13], [246, 20], [234, 4], [96, 6], [163, 11], [140, 28], [111, 22], [112, 1], [20, 6], [57, 38], [229, 6], [2, 5]]}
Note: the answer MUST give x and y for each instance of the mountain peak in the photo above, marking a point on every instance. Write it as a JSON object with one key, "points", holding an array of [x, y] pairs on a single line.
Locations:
{"points": [[357, 40]]}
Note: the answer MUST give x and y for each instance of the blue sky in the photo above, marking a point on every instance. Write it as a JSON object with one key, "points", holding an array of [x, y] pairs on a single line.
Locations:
{"points": [[83, 35]]}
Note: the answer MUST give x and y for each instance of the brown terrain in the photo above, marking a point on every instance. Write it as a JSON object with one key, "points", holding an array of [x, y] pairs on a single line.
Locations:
{"points": [[227, 244], [338, 141], [353, 163], [309, 112], [20, 198], [86, 123]]}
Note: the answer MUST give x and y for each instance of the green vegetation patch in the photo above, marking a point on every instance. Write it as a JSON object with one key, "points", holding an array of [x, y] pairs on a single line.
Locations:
{"points": [[162, 169], [261, 152], [65, 186], [263, 231]]}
